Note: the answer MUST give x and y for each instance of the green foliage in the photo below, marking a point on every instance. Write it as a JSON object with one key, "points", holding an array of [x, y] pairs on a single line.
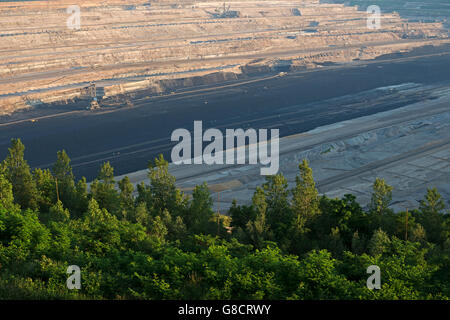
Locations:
{"points": [[200, 213], [17, 171], [126, 198], [381, 196], [6, 193], [258, 229], [305, 200], [279, 214], [161, 244], [82, 199], [57, 213], [64, 179], [46, 185], [103, 189], [431, 216], [162, 193]]}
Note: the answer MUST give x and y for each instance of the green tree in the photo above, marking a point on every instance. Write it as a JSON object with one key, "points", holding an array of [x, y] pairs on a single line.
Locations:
{"points": [[58, 213], [381, 196], [126, 198], [345, 215], [200, 213], [380, 215], [305, 200], [379, 243], [162, 193], [158, 229], [62, 171], [358, 244], [6, 193], [103, 189], [141, 214], [22, 238], [240, 216], [18, 173], [258, 228], [433, 203], [320, 279], [431, 216], [176, 229], [82, 199], [45, 183], [152, 254], [418, 234], [99, 231], [279, 214]]}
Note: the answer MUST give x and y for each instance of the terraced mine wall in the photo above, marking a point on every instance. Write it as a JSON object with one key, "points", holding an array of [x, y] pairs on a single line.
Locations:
{"points": [[124, 46]]}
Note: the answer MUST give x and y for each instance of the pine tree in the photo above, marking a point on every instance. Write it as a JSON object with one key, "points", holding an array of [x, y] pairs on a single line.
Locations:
{"points": [[82, 199], [418, 234], [126, 197], [18, 173], [433, 203], [106, 174], [103, 189], [279, 214], [161, 193], [200, 210], [158, 229], [46, 185], [141, 214], [62, 171], [381, 197], [379, 243], [58, 213], [258, 228], [6, 193], [431, 216], [305, 201]]}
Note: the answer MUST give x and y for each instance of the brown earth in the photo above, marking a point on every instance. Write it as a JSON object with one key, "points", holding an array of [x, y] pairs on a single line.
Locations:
{"points": [[124, 46]]}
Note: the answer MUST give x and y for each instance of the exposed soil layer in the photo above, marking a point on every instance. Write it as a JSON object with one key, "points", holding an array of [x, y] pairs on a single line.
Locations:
{"points": [[126, 46]]}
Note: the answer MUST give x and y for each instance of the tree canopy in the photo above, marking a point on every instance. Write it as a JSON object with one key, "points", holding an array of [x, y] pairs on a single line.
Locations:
{"points": [[152, 241]]}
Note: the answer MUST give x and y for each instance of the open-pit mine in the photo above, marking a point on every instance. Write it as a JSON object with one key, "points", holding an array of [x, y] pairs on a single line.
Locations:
{"points": [[111, 80], [121, 46]]}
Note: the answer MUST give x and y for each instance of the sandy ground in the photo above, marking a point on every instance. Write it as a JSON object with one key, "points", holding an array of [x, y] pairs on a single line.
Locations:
{"points": [[124, 46]]}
